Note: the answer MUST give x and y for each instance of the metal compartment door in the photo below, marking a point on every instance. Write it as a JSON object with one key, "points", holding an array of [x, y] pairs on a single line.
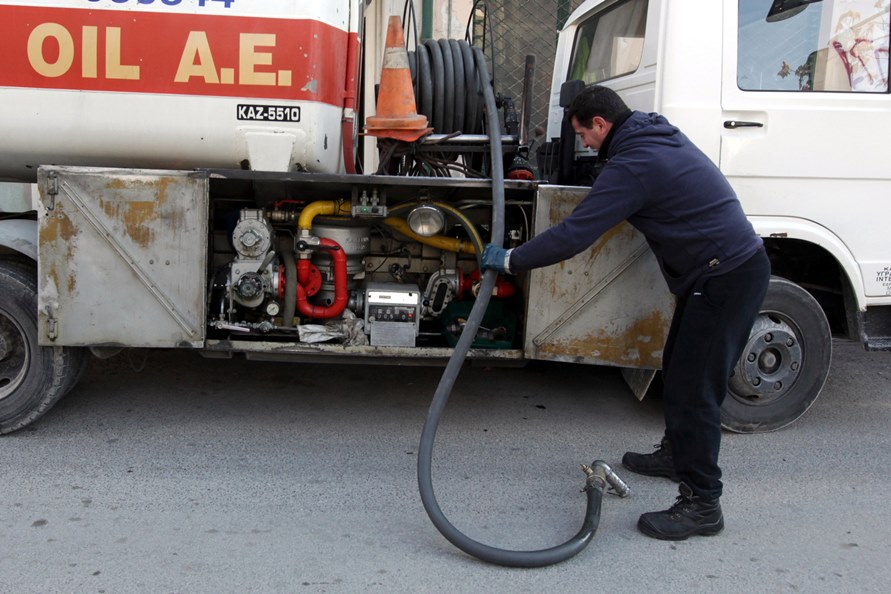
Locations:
{"points": [[122, 257], [609, 305]]}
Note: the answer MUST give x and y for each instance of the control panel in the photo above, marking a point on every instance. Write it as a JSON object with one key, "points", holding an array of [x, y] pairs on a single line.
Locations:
{"points": [[392, 314]]}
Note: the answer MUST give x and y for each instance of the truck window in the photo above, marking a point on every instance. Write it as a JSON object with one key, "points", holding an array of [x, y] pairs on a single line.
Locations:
{"points": [[813, 45], [610, 43]]}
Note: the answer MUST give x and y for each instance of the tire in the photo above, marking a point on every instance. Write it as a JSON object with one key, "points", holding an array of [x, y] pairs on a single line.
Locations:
{"points": [[32, 377], [784, 364]]}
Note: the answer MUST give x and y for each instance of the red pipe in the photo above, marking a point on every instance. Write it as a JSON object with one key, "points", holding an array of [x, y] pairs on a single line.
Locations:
{"points": [[503, 288], [340, 283]]}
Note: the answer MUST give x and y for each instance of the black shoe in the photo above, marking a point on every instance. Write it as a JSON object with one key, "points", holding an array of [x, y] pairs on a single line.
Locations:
{"points": [[659, 463], [689, 516]]}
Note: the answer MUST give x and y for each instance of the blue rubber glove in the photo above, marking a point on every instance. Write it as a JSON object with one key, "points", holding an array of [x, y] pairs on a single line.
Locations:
{"points": [[496, 258]]}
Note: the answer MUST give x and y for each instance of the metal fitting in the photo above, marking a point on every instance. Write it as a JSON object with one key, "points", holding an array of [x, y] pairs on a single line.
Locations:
{"points": [[600, 472]]}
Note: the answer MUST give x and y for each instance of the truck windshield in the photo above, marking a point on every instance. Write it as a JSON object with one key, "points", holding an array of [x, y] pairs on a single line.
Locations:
{"points": [[610, 43], [833, 45]]}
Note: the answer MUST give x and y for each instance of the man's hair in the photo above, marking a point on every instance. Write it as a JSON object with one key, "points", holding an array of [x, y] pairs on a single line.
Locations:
{"points": [[596, 101]]}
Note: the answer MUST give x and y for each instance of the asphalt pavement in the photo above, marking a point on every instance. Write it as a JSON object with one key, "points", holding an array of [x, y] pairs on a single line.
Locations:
{"points": [[166, 472]]}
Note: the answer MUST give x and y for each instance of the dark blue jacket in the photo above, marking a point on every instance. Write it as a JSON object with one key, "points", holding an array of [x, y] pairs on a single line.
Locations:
{"points": [[670, 191]]}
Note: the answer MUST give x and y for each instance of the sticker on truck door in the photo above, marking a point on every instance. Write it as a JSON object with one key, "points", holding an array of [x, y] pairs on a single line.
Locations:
{"points": [[877, 279]]}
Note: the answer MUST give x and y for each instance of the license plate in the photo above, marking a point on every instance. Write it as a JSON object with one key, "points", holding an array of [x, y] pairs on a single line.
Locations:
{"points": [[269, 113]]}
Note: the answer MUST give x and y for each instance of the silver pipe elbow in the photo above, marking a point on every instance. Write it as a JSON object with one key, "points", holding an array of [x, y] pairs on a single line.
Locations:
{"points": [[605, 473]]}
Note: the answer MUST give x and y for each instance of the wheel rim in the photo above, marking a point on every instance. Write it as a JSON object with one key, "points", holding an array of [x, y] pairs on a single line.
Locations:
{"points": [[771, 362], [15, 355]]}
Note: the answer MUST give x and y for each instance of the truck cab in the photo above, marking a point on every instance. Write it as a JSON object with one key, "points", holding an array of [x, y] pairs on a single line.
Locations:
{"points": [[790, 99]]}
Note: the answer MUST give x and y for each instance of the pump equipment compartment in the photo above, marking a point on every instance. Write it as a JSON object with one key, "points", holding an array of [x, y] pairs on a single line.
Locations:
{"points": [[307, 265]]}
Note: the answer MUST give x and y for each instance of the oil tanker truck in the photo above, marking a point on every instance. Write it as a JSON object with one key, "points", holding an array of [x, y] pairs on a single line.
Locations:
{"points": [[190, 174]]}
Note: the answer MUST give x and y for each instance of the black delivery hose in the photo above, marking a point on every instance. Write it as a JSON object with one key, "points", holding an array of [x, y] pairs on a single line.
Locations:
{"points": [[598, 474]]}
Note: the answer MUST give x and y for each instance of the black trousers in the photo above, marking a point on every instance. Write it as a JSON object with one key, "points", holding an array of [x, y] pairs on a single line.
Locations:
{"points": [[709, 330]]}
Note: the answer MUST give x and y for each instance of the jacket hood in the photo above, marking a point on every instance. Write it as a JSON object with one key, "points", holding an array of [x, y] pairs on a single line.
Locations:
{"points": [[648, 128]]}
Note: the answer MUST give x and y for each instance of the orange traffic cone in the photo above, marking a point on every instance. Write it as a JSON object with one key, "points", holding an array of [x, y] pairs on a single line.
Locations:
{"points": [[397, 116]]}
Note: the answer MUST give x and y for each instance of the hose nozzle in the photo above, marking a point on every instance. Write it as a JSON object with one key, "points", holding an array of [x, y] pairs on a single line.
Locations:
{"points": [[602, 472]]}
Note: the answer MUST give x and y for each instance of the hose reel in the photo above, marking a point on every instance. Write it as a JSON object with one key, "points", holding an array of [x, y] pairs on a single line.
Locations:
{"points": [[448, 83], [447, 86]]}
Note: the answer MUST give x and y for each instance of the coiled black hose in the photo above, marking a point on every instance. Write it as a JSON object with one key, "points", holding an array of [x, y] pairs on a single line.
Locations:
{"points": [[447, 85], [598, 475]]}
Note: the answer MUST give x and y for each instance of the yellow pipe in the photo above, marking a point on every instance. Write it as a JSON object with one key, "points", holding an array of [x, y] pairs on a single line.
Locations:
{"points": [[441, 242], [336, 207], [468, 226], [321, 207]]}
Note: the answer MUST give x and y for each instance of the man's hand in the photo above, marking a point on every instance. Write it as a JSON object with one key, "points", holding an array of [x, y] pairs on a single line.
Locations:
{"points": [[496, 258]]}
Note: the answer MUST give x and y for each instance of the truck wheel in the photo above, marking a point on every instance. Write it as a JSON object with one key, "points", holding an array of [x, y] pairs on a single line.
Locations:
{"points": [[784, 364], [32, 377]]}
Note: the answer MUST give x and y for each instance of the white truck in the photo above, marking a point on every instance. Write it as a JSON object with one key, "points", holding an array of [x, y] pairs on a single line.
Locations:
{"points": [[791, 99], [187, 174]]}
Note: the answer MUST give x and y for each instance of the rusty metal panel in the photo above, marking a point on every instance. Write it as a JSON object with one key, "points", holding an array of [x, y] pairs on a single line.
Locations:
{"points": [[122, 257], [609, 305]]}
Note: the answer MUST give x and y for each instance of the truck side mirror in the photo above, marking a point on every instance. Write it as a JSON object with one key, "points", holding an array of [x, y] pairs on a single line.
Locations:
{"points": [[568, 91]]}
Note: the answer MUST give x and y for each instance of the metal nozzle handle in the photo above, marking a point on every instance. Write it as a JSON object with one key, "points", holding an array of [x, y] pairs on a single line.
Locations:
{"points": [[619, 486]]}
